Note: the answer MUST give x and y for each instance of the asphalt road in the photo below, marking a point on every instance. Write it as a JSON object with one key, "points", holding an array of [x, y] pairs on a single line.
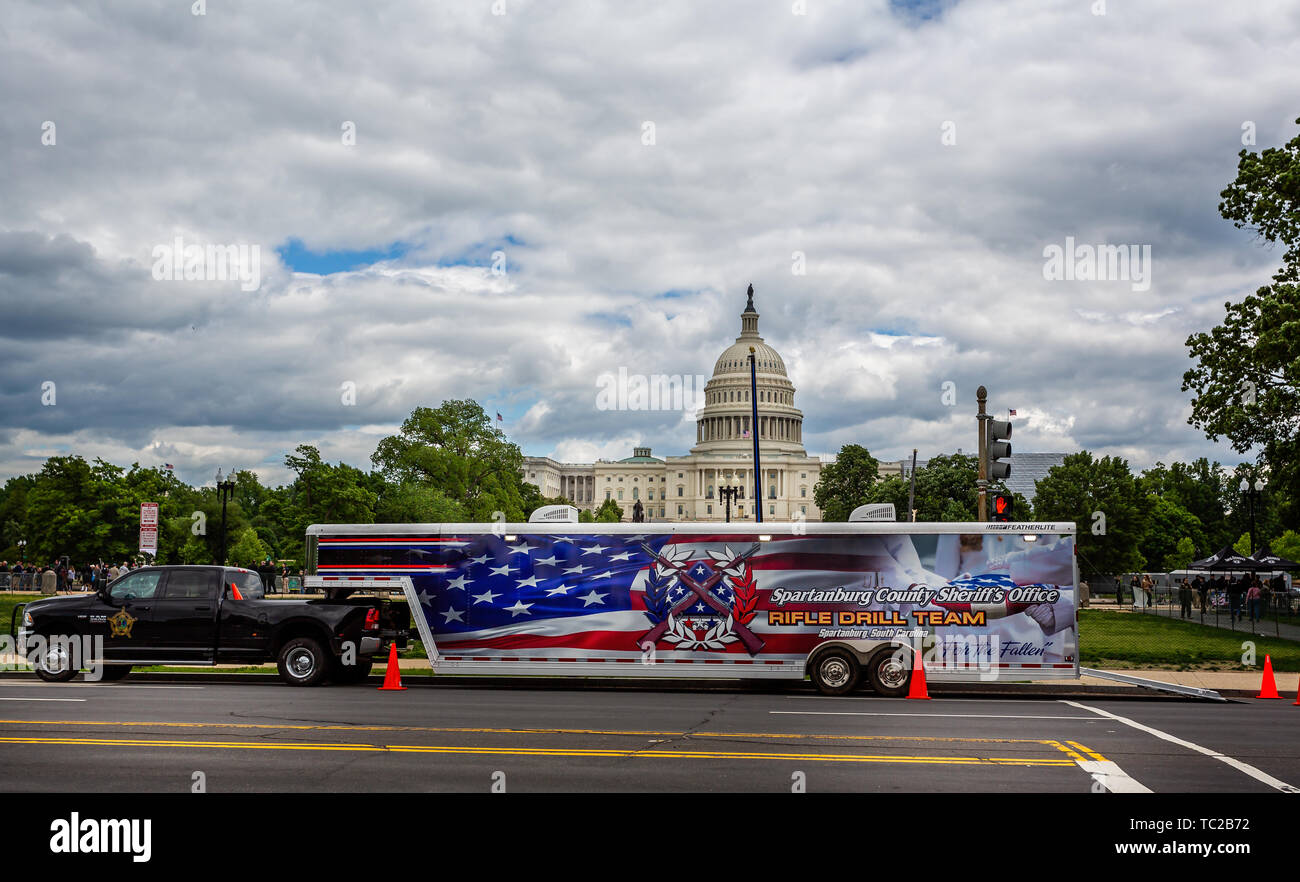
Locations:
{"points": [[266, 737]]}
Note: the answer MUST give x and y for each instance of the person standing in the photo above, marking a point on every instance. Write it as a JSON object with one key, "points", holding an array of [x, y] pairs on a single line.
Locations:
{"points": [[1185, 598], [1253, 596], [1235, 593], [1119, 592], [1202, 590], [1135, 585]]}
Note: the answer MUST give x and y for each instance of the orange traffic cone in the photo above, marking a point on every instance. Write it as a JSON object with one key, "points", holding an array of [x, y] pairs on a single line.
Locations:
{"points": [[1268, 689], [1297, 696], [392, 676], [917, 689]]}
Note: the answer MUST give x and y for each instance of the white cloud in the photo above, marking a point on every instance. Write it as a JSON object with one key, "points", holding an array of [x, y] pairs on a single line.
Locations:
{"points": [[522, 133]]}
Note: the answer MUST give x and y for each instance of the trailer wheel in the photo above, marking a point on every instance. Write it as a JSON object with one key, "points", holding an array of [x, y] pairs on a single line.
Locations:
{"points": [[834, 672], [54, 665], [302, 662], [890, 673], [347, 674], [115, 672]]}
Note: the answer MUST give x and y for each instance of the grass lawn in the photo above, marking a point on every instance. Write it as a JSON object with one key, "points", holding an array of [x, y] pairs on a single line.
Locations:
{"points": [[7, 603], [1132, 640]]}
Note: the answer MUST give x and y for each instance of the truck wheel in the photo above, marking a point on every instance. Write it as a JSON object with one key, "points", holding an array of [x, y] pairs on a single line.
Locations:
{"points": [[346, 674], [890, 673], [834, 672], [53, 665], [303, 662], [115, 672]]}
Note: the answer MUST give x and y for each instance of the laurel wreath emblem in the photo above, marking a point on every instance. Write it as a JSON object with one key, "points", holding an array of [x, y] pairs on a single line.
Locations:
{"points": [[744, 603]]}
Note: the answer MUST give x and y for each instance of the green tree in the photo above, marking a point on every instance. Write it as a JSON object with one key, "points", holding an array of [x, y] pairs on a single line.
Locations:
{"points": [[1168, 526], [326, 494], [1107, 506], [248, 550], [414, 503], [456, 449], [846, 483], [1242, 545], [609, 512], [1287, 545], [1246, 380], [1181, 556], [1199, 487]]}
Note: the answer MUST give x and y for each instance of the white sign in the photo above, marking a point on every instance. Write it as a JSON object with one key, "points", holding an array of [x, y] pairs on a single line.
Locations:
{"points": [[149, 528]]}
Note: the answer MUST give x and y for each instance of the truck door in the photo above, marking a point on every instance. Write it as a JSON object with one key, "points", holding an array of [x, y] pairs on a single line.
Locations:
{"points": [[124, 620], [245, 628], [185, 614]]}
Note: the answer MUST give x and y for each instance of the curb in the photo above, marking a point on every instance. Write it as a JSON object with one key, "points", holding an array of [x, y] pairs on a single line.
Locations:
{"points": [[660, 684]]}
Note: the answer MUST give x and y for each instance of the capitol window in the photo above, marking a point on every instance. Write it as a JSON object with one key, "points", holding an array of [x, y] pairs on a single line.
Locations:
{"points": [[679, 490], [709, 494]]}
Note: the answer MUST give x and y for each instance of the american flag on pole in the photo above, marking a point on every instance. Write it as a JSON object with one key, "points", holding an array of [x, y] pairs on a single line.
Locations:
{"points": [[1011, 412]]}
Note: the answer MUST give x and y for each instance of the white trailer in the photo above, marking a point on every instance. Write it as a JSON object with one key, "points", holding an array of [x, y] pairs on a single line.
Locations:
{"points": [[841, 603]]}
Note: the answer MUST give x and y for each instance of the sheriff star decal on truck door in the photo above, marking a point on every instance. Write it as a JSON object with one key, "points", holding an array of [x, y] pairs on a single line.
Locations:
{"points": [[120, 623]]}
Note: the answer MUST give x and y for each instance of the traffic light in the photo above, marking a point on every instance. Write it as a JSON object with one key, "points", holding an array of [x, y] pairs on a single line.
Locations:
{"points": [[1002, 507], [998, 447]]}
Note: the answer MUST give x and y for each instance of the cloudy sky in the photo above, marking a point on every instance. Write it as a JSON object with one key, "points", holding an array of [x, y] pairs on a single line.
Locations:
{"points": [[448, 202]]}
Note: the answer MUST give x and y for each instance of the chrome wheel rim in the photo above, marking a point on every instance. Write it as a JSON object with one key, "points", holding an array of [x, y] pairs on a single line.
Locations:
{"points": [[55, 661], [892, 673], [835, 672], [301, 663]]}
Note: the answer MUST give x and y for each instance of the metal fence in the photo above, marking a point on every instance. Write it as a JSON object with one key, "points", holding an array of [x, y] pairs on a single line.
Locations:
{"points": [[1156, 629]]}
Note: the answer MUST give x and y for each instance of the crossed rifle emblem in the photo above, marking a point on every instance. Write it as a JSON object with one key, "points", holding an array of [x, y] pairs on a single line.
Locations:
{"points": [[701, 591]]}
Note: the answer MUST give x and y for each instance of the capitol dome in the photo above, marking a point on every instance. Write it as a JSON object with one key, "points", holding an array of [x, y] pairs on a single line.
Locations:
{"points": [[723, 425]]}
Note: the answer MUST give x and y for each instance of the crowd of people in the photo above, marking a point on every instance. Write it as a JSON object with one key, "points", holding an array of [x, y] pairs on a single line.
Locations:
{"points": [[1246, 596], [61, 575]]}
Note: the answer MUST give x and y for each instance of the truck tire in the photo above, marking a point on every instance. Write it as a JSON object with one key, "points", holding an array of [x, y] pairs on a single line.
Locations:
{"points": [[53, 665], [303, 662], [347, 674], [115, 672], [834, 672], [890, 673]]}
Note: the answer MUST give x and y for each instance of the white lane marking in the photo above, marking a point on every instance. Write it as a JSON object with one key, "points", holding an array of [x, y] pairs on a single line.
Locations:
{"points": [[42, 699], [38, 685], [874, 698], [1112, 777], [944, 716], [1237, 764]]}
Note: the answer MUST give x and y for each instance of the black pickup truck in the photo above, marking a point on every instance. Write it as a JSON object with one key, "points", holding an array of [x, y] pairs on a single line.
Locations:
{"points": [[208, 615]]}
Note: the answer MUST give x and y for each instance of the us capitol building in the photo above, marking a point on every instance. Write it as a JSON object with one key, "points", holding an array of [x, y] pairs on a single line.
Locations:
{"points": [[685, 488]]}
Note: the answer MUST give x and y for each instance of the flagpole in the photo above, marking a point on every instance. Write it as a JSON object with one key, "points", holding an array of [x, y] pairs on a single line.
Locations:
{"points": [[753, 428]]}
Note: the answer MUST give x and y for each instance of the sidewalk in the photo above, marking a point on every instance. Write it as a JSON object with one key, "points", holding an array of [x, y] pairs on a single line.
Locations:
{"points": [[1240, 682]]}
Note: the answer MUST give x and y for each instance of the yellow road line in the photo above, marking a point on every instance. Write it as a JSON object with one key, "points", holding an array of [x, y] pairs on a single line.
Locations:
{"points": [[1072, 754], [513, 731], [1092, 754], [544, 751]]}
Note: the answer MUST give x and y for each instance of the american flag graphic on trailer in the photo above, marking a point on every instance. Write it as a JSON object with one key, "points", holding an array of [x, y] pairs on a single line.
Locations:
{"points": [[721, 597]]}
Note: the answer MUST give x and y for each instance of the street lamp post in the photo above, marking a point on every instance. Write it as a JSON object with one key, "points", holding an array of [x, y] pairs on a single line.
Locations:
{"points": [[729, 492], [1251, 492], [225, 489]]}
